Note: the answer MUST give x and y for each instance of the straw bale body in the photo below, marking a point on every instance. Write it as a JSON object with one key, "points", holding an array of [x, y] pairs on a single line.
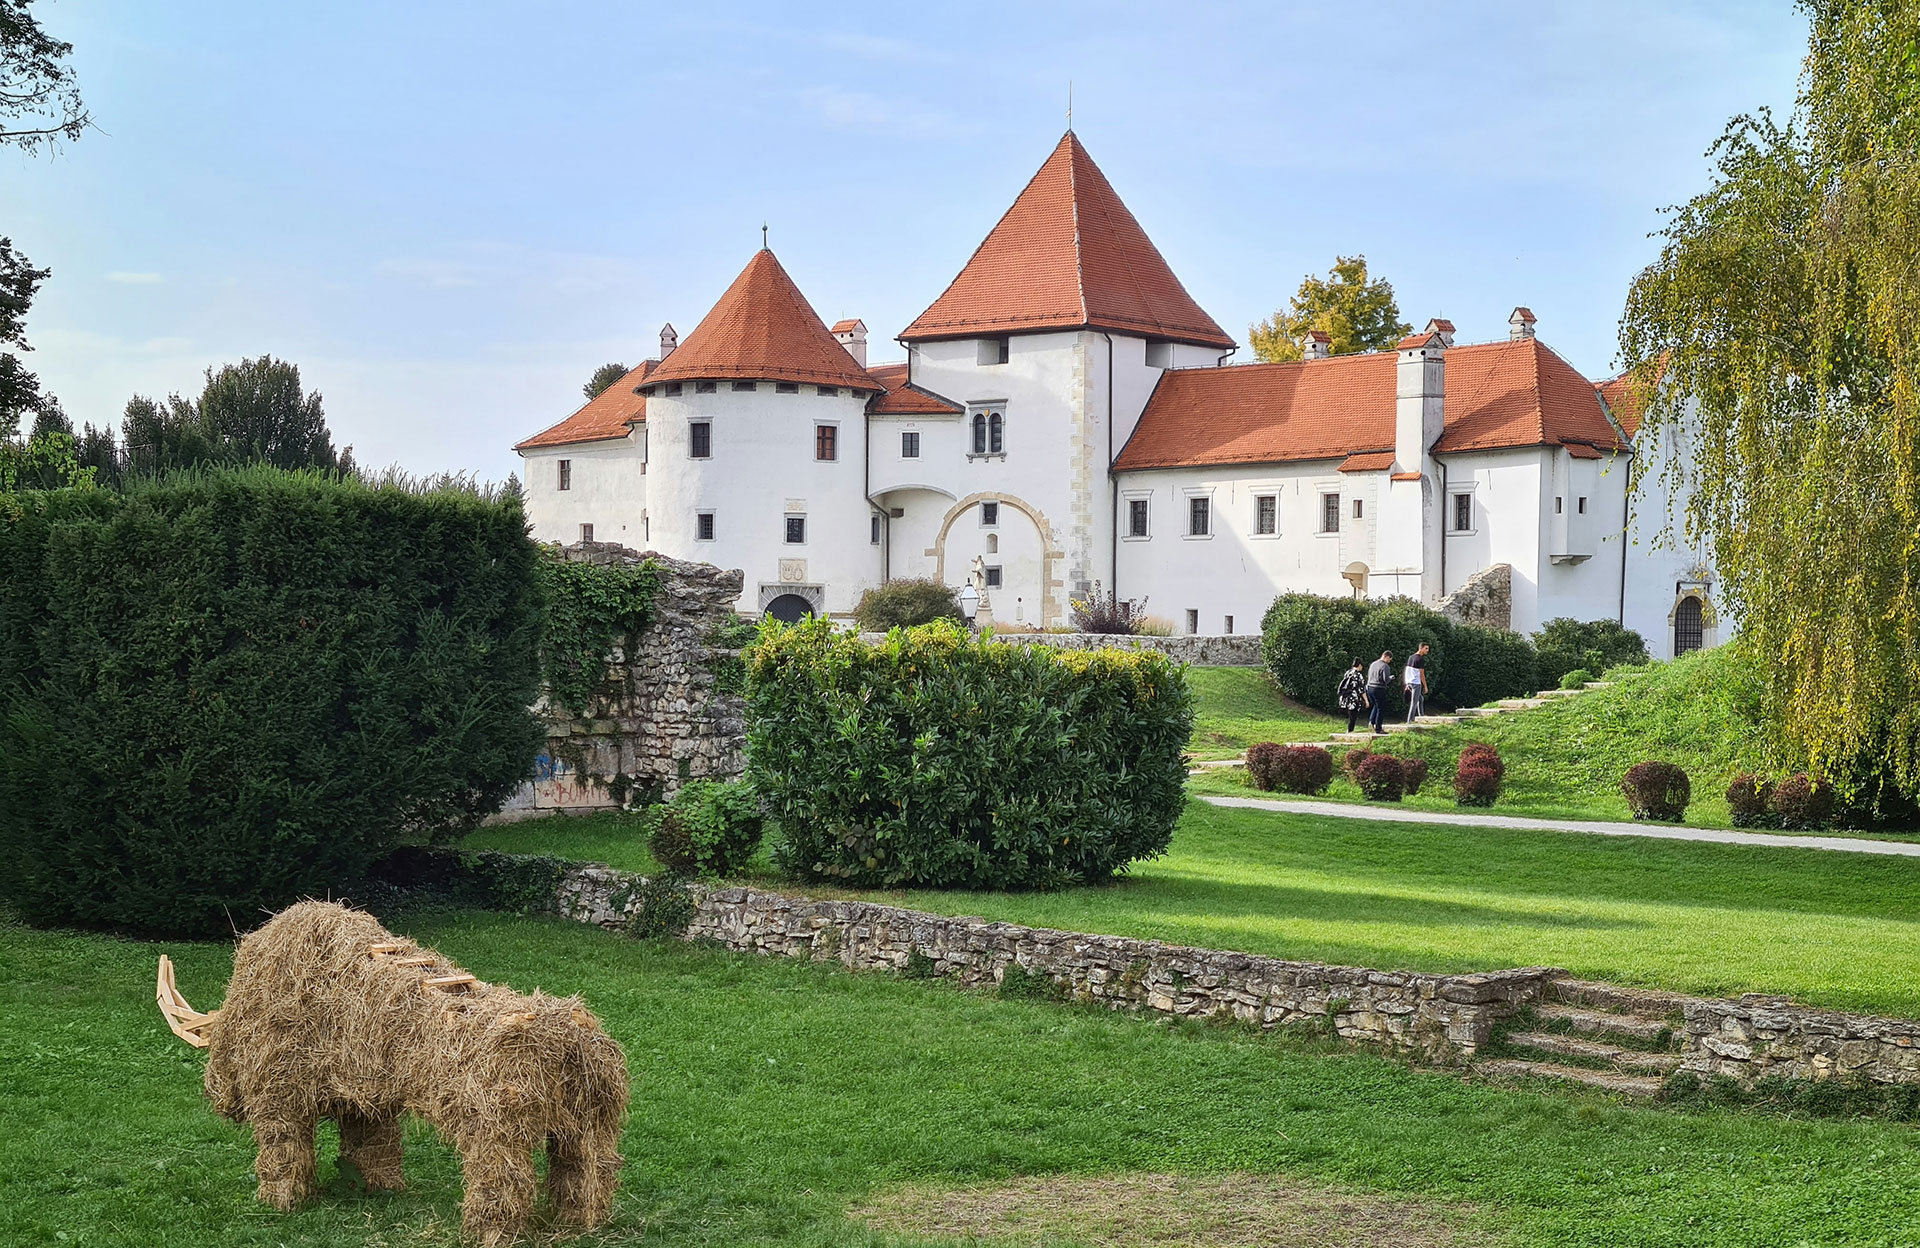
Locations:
{"points": [[331, 1016]]}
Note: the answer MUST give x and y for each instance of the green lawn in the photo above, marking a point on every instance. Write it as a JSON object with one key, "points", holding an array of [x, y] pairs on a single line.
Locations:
{"points": [[771, 1095], [1240, 705], [617, 838]]}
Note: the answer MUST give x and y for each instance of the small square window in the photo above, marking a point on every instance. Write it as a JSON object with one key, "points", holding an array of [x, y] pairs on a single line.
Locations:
{"points": [[1193, 620], [786, 387], [1359, 508], [1266, 514], [996, 350], [703, 526], [700, 440], [828, 392], [1329, 513], [1199, 514], [705, 387], [673, 389], [566, 474], [746, 387], [993, 576], [1559, 504], [1462, 512], [586, 532], [910, 444], [796, 530], [1581, 506], [989, 515], [1136, 517], [1229, 629], [826, 442], [874, 527]]}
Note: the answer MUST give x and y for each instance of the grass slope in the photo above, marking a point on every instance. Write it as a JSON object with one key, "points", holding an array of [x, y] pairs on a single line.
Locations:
{"points": [[771, 1095], [1241, 705]]}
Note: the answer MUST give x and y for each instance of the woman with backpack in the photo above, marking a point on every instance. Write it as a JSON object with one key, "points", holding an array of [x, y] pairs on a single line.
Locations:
{"points": [[1352, 694]]}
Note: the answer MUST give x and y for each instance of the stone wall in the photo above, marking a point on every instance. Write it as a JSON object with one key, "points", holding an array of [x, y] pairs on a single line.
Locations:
{"points": [[1237, 650], [1761, 1036], [1485, 599], [659, 718]]}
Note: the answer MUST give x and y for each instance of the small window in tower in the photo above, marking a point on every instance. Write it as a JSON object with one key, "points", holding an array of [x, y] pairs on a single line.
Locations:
{"points": [[586, 532], [700, 439], [828, 392], [993, 576], [1559, 504], [796, 530], [1359, 508], [995, 350], [826, 442], [746, 387], [874, 529], [703, 526], [910, 444], [1329, 513], [979, 433], [1199, 516], [786, 387], [1136, 517], [566, 474], [705, 387], [989, 515], [1229, 628], [673, 389], [1266, 514], [1581, 506]]}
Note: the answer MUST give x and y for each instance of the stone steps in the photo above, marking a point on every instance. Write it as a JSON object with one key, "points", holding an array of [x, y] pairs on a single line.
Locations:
{"points": [[1609, 998], [1603, 1023], [1633, 1061], [1606, 1080], [1432, 720]]}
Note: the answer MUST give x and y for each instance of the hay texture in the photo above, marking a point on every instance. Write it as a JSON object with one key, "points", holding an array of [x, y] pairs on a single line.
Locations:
{"points": [[329, 1015]]}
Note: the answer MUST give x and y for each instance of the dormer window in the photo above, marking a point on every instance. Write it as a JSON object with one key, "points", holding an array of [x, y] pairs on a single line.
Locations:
{"points": [[996, 350], [1159, 355]]}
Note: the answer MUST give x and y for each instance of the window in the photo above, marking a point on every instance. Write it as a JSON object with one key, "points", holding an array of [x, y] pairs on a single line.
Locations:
{"points": [[1193, 620], [1136, 517], [1359, 508], [1559, 504], [874, 527], [673, 389], [1159, 355], [1689, 626], [700, 439], [989, 515], [993, 576], [586, 532], [566, 474], [828, 392], [1266, 514], [703, 526], [995, 350], [705, 387], [910, 444], [746, 387], [1462, 513], [1581, 506], [989, 432], [1229, 626], [979, 433], [996, 433], [796, 530], [826, 442], [1329, 513], [786, 387], [1199, 512]]}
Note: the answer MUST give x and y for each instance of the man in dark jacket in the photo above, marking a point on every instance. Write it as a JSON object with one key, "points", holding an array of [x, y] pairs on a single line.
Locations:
{"points": [[1379, 681]]}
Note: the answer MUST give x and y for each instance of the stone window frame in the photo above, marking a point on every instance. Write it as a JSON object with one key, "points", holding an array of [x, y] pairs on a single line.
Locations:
{"points": [[565, 478], [699, 439], [826, 437], [703, 526], [985, 420], [1144, 498], [1200, 494], [789, 520], [989, 513], [1336, 491], [909, 444], [1256, 491], [1453, 513]]}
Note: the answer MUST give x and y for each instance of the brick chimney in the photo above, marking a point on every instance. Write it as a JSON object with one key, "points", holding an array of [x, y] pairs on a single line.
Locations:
{"points": [[1520, 324], [852, 335], [669, 339], [1316, 344]]}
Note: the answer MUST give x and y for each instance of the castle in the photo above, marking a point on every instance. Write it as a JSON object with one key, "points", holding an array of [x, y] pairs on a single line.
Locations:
{"points": [[1066, 418]]}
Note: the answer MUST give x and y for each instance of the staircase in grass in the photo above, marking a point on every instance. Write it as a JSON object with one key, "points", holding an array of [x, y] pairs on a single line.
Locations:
{"points": [[1617, 1039]]}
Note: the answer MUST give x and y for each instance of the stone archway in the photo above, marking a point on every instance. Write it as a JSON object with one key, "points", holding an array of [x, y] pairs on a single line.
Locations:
{"points": [[1049, 588], [790, 608], [1691, 625]]}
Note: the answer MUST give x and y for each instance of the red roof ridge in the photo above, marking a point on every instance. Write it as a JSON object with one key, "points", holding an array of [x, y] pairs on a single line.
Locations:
{"points": [[608, 415], [763, 329]]}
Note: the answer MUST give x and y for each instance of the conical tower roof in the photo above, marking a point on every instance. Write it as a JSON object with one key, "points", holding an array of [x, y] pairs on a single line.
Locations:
{"points": [[762, 329], [1068, 255]]}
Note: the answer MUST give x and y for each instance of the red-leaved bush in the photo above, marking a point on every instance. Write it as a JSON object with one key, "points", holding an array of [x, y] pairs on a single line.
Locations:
{"points": [[1414, 772], [1747, 798], [1290, 768], [1261, 759], [1351, 760], [1477, 776], [1381, 777], [1657, 791], [1802, 803]]}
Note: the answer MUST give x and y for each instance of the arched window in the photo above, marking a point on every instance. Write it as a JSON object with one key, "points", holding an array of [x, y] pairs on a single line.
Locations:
{"points": [[979, 433], [996, 433], [1688, 626]]}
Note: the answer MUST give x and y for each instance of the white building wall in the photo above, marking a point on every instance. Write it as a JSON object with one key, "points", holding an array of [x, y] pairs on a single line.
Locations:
{"points": [[1663, 564], [608, 490]]}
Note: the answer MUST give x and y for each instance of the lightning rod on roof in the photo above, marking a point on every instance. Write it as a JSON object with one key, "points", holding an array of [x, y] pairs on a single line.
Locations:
{"points": [[763, 236], [1069, 106]]}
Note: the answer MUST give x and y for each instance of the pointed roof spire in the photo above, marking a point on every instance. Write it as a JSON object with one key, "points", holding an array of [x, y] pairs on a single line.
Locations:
{"points": [[763, 329], [1067, 255]]}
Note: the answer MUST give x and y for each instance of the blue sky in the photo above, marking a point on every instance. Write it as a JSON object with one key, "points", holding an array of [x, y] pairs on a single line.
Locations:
{"points": [[448, 214]]}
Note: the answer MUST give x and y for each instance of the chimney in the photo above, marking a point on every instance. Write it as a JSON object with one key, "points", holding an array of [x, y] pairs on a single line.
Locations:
{"points": [[669, 339], [1316, 344], [1420, 387], [1520, 324], [852, 335]]}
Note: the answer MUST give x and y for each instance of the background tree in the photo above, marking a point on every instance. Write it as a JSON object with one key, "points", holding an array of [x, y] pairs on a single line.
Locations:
{"points": [[1358, 314], [603, 377], [252, 412], [20, 397], [1781, 323], [39, 94]]}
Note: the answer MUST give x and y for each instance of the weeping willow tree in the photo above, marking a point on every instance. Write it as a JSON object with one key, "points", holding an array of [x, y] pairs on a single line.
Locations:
{"points": [[1781, 327]]}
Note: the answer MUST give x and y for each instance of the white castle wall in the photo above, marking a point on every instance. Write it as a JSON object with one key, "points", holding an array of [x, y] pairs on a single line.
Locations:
{"points": [[609, 490]]}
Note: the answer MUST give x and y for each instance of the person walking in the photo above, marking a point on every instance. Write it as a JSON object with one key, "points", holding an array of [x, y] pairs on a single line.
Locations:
{"points": [[1379, 681], [1352, 693], [1416, 682]]}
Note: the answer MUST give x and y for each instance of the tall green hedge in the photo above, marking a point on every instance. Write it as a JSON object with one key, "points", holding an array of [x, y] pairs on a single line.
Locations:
{"points": [[1308, 641], [224, 691], [940, 760]]}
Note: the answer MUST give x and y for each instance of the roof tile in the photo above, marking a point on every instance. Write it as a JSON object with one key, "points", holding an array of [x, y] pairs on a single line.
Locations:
{"points": [[763, 329], [902, 399], [606, 415]]}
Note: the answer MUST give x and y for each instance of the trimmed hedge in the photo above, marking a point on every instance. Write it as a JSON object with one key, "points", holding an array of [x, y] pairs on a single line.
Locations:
{"points": [[1477, 775], [1747, 799], [1657, 790], [710, 828], [1565, 645], [1309, 641], [225, 691], [906, 604], [1801, 803], [1381, 777], [1290, 768], [939, 760]]}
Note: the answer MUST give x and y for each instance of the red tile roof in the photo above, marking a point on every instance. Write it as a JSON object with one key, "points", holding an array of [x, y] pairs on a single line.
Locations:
{"points": [[1624, 400], [604, 416], [763, 329], [1367, 461], [902, 399], [846, 326], [1067, 255], [1498, 394]]}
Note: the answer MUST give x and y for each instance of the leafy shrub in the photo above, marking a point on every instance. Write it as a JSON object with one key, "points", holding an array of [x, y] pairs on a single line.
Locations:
{"points": [[1747, 798], [1381, 777], [1104, 613], [1291, 768], [1351, 760], [1308, 641], [1577, 678], [1413, 772], [1564, 645], [906, 604], [590, 609], [1801, 803], [1478, 775], [709, 827], [485, 879], [233, 689], [662, 907], [1657, 790], [940, 760]]}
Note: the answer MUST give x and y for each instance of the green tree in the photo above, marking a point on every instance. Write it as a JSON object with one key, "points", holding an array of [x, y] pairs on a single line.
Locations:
{"points": [[1357, 313], [602, 378], [1781, 325], [39, 94], [20, 396], [255, 411]]}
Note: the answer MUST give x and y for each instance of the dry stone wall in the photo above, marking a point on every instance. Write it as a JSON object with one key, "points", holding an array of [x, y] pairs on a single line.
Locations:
{"points": [[1760, 1036], [662, 716]]}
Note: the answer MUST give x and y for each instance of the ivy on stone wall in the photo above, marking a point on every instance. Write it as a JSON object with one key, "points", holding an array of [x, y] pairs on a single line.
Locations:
{"points": [[591, 610]]}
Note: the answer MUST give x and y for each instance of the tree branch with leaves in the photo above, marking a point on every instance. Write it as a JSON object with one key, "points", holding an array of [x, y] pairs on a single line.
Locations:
{"points": [[1357, 313]]}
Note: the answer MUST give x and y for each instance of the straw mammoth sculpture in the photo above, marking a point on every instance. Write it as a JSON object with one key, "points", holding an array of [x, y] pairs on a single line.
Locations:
{"points": [[329, 1015]]}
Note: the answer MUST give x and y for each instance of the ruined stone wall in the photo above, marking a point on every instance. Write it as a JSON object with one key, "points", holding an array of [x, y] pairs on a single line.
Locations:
{"points": [[659, 718], [1486, 599]]}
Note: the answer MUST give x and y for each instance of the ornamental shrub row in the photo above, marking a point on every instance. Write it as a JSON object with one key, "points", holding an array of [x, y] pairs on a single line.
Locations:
{"points": [[935, 759], [1798, 803], [1308, 641], [1289, 768], [224, 691]]}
